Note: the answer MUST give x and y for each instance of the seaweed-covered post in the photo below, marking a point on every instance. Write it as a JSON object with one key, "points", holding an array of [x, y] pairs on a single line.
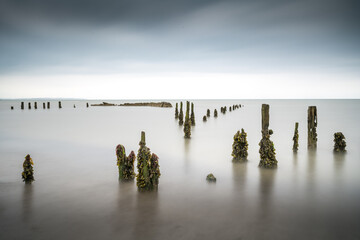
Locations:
{"points": [[121, 156], [44, 105], [192, 117], [187, 125], [204, 118], [35, 105], [312, 124], [60, 104], [154, 171], [340, 143], [48, 105], [176, 111], [296, 137], [181, 114], [29, 105], [144, 155], [28, 173], [215, 113], [267, 149], [240, 147], [22, 105], [208, 113]]}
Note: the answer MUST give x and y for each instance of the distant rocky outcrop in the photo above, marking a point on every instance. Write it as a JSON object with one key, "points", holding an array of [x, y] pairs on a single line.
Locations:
{"points": [[103, 104]]}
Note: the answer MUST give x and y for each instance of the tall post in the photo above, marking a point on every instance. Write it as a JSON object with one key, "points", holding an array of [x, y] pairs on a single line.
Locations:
{"points": [[312, 124], [296, 137], [267, 149]]}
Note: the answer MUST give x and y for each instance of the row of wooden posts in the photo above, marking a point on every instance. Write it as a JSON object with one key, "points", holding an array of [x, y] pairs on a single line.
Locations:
{"points": [[267, 149], [45, 105]]}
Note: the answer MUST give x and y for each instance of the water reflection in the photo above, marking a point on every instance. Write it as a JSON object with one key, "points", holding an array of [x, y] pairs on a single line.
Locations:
{"points": [[186, 156], [27, 201], [124, 214], [311, 172], [239, 176], [267, 177], [339, 161], [146, 215]]}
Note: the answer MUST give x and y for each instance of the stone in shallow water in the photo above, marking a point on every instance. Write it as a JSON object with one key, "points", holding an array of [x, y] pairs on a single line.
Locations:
{"points": [[211, 178]]}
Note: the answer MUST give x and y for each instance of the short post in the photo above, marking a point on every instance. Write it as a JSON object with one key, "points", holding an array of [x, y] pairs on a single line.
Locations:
{"points": [[312, 124], [22, 105], [29, 105], [60, 104], [35, 105], [48, 105]]}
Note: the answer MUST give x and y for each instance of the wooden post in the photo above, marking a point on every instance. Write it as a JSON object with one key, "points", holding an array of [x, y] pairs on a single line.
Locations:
{"points": [[312, 124], [22, 105], [87, 105], [44, 105], [142, 141], [48, 105], [29, 105], [35, 105], [296, 137], [265, 118], [59, 104], [12, 108]]}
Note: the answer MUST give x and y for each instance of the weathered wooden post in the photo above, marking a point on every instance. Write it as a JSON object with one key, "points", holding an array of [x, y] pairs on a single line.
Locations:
{"points": [[176, 111], [87, 105], [208, 113], [230, 109], [340, 143], [267, 149], [74, 106], [181, 114], [28, 173], [35, 105], [29, 105], [215, 113], [22, 105], [204, 118], [312, 124], [192, 117], [240, 147], [48, 105], [125, 164], [148, 167], [187, 125], [44, 105], [60, 104], [296, 138], [12, 107]]}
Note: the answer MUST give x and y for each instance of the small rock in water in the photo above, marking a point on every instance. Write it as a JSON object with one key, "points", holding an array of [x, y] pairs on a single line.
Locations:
{"points": [[210, 177]]}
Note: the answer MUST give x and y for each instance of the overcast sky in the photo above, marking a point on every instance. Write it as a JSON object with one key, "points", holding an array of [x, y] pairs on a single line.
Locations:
{"points": [[120, 49]]}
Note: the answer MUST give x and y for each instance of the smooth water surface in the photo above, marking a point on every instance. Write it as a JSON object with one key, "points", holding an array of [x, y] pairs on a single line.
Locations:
{"points": [[77, 195]]}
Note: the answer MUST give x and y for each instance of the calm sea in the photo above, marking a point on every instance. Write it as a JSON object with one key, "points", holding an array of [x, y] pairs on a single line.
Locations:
{"points": [[77, 195]]}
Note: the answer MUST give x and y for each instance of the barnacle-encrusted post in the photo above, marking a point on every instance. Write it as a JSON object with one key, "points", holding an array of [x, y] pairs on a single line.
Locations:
{"points": [[267, 149], [192, 117], [240, 147], [176, 111], [340, 143], [296, 137], [204, 118], [312, 124], [125, 164], [181, 114], [144, 155], [208, 113], [154, 171], [187, 125], [28, 173], [60, 104], [22, 105], [215, 113]]}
